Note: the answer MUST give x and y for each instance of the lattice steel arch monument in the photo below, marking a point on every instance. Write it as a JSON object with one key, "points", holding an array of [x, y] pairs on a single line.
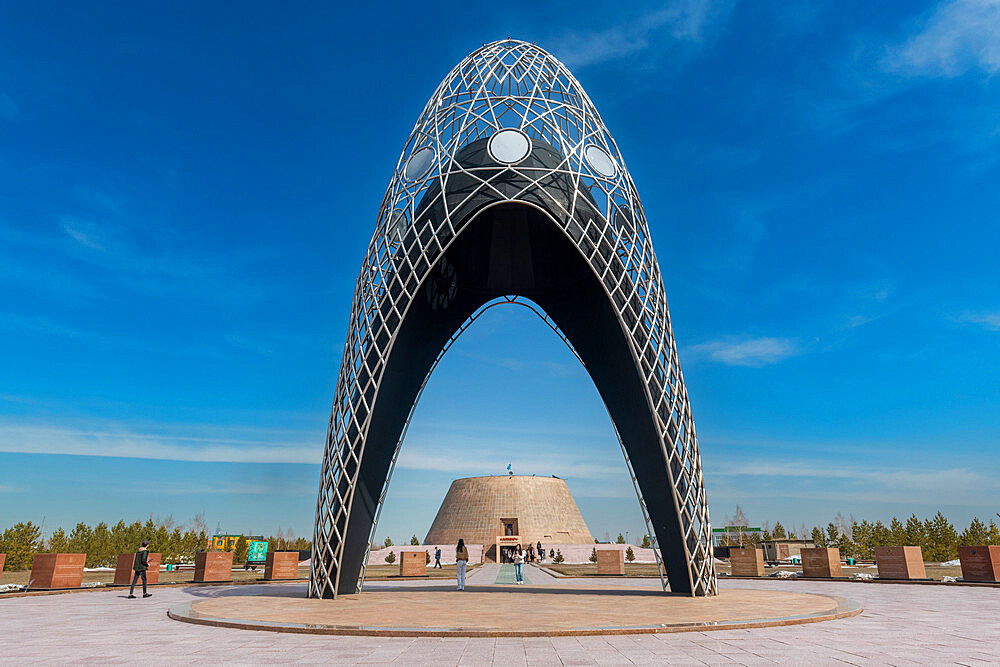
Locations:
{"points": [[510, 189]]}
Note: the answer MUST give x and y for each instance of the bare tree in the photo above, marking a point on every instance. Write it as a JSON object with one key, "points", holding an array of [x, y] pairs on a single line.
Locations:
{"points": [[198, 524]]}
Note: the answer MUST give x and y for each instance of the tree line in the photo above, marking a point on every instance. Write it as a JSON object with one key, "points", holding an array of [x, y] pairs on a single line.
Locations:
{"points": [[102, 543], [936, 536]]}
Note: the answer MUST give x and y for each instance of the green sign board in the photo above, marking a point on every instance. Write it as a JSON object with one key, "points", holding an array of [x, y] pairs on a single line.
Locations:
{"points": [[257, 551]]}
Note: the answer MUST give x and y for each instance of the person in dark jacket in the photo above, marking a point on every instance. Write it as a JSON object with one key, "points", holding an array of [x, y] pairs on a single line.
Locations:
{"points": [[139, 566]]}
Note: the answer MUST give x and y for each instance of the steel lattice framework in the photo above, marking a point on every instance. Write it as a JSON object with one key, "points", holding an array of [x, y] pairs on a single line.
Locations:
{"points": [[508, 149]]}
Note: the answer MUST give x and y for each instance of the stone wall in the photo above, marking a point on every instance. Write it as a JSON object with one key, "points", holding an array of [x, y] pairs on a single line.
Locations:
{"points": [[543, 506]]}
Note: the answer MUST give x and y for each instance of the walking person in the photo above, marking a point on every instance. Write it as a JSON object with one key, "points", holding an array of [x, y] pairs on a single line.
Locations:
{"points": [[461, 561], [519, 565], [139, 566], [437, 558], [541, 552]]}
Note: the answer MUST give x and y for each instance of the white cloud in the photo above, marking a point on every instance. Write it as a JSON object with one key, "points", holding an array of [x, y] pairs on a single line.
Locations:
{"points": [[959, 36], [682, 21], [116, 440], [990, 321], [752, 352]]}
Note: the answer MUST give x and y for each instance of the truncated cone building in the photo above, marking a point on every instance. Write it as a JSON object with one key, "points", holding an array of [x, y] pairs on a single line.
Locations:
{"points": [[510, 191]]}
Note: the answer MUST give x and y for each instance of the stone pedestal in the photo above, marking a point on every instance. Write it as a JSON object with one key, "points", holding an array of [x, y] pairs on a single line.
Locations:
{"points": [[281, 565], [213, 566], [123, 569], [611, 561], [821, 562], [57, 571], [900, 563], [747, 562], [412, 563], [980, 563]]}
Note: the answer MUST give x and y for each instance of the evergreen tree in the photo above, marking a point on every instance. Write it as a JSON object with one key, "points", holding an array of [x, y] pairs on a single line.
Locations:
{"points": [[975, 535], [620, 539], [863, 537], [817, 537], [832, 535], [593, 555], [57, 543], [646, 543], [388, 542], [629, 555], [414, 541], [943, 539], [993, 534], [846, 546], [881, 536], [779, 531], [391, 558], [20, 542], [916, 532], [241, 550], [897, 536]]}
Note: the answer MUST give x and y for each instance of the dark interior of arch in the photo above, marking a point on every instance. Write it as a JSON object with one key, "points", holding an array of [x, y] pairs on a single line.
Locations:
{"points": [[514, 249]]}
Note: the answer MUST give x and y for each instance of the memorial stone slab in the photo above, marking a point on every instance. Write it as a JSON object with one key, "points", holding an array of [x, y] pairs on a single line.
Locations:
{"points": [[611, 561], [57, 571], [412, 563], [3, 558], [281, 565], [213, 566], [900, 563], [980, 563], [123, 569], [821, 562], [746, 562]]}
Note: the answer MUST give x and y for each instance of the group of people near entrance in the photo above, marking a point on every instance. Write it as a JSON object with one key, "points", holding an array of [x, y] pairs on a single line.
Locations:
{"points": [[518, 557]]}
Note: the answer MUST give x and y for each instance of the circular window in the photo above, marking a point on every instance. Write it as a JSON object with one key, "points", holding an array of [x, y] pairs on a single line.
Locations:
{"points": [[600, 161], [509, 146], [418, 164]]}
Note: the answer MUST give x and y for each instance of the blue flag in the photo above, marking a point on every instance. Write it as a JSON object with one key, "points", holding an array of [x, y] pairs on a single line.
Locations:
{"points": [[508, 466]]}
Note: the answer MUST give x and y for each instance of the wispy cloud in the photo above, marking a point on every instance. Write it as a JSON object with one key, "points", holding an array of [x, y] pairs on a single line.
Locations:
{"points": [[120, 440], [988, 320], [752, 352], [959, 36], [685, 21], [864, 481]]}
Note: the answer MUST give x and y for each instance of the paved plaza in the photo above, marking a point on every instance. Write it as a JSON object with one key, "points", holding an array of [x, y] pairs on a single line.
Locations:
{"points": [[900, 625]]}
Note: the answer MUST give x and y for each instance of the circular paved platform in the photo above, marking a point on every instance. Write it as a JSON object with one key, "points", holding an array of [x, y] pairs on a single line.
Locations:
{"points": [[523, 612]]}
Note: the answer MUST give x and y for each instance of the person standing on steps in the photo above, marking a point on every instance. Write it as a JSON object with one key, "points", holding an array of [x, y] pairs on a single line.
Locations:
{"points": [[519, 565], [139, 566], [461, 561], [437, 558], [541, 552]]}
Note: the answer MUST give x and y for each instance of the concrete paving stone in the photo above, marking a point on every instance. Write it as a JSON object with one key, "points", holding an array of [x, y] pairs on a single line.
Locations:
{"points": [[902, 625]]}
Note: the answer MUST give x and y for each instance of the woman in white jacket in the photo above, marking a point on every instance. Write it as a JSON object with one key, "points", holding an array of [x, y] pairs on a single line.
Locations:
{"points": [[519, 564]]}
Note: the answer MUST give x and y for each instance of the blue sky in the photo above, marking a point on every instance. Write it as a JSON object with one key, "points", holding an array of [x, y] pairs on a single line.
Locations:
{"points": [[186, 195]]}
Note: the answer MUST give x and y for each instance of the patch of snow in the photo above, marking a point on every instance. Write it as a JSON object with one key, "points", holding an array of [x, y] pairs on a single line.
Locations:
{"points": [[91, 584], [863, 576], [11, 588], [98, 569], [784, 574], [952, 562], [947, 579]]}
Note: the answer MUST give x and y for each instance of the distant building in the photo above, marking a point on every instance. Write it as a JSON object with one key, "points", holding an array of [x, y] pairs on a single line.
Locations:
{"points": [[503, 511], [782, 549]]}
